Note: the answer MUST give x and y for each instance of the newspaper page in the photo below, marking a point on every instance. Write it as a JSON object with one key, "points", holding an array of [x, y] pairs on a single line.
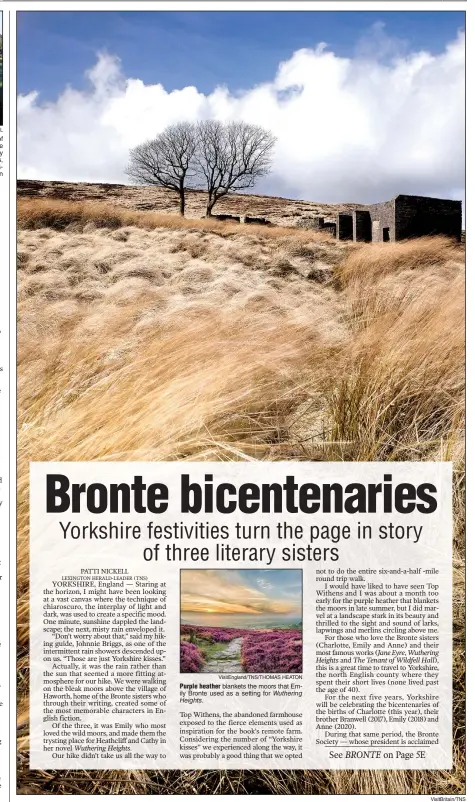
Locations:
{"points": [[182, 637], [5, 340], [233, 452]]}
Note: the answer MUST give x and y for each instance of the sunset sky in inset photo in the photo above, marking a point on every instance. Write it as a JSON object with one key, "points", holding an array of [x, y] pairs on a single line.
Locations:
{"points": [[247, 592]]}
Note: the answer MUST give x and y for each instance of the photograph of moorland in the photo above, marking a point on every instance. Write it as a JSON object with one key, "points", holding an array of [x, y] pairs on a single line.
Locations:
{"points": [[236, 622], [241, 236]]}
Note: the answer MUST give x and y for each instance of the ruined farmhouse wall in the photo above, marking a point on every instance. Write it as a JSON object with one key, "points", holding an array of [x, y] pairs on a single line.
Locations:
{"points": [[361, 225], [382, 216], [417, 216], [397, 219], [344, 226]]}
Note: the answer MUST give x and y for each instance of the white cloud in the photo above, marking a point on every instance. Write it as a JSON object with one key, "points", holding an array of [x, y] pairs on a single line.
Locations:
{"points": [[361, 129]]}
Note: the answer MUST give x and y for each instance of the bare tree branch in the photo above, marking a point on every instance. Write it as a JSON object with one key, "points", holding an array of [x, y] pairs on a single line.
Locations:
{"points": [[166, 161], [231, 157], [220, 157]]}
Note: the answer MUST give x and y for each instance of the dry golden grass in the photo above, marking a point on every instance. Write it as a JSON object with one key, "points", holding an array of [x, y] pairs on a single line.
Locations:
{"points": [[402, 392], [280, 211], [148, 340], [34, 213]]}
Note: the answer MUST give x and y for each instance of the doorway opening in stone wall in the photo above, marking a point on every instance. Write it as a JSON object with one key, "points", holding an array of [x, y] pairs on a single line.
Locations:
{"points": [[386, 234]]}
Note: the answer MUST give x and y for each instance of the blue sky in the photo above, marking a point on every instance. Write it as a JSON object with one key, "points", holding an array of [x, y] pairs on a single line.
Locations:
{"points": [[238, 49], [364, 105]]}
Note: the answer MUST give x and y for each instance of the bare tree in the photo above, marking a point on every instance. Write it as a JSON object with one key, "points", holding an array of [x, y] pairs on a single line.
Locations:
{"points": [[166, 161], [231, 156]]}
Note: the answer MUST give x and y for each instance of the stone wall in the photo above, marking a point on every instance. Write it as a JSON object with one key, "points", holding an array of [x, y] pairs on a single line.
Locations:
{"points": [[361, 226], [258, 221], [344, 226], [417, 216], [317, 224], [226, 218], [400, 218], [384, 214], [329, 228]]}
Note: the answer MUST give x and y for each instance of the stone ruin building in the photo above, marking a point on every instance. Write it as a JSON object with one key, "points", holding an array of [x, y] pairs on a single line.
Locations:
{"points": [[401, 218]]}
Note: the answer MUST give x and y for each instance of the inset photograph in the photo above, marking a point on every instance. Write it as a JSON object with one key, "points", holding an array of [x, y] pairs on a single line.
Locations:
{"points": [[241, 621]]}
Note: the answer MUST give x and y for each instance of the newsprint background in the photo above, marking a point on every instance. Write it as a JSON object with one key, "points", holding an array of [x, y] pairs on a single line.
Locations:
{"points": [[8, 480], [373, 686]]}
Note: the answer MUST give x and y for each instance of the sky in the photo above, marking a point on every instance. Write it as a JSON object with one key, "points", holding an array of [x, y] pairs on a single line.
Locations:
{"points": [[235, 597], [364, 104]]}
